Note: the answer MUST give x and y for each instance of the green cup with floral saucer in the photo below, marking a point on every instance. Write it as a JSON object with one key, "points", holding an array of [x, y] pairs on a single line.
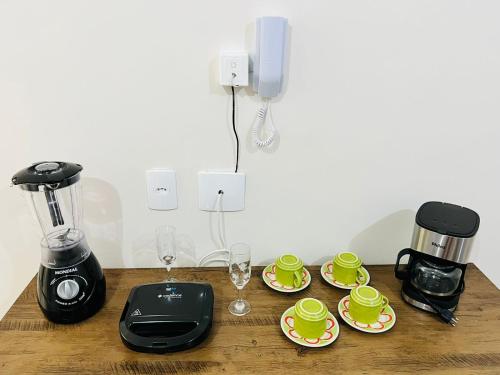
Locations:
{"points": [[309, 323], [289, 269], [282, 274], [310, 317], [366, 304], [347, 269], [384, 322], [327, 275]]}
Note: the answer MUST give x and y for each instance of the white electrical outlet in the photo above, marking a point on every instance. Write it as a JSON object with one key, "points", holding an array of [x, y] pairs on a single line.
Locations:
{"points": [[231, 184], [233, 69], [161, 189]]}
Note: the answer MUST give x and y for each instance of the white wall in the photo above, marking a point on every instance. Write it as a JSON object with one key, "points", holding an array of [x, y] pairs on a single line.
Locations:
{"points": [[388, 104]]}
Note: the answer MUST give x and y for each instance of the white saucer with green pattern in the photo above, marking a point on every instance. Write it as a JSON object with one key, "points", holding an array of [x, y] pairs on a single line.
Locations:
{"points": [[386, 319], [269, 277], [330, 335]]}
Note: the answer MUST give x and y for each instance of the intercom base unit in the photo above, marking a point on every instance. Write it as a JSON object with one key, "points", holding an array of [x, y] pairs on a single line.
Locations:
{"points": [[233, 70]]}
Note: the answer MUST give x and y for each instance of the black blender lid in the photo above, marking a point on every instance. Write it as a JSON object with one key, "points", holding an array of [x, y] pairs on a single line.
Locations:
{"points": [[47, 175], [448, 219]]}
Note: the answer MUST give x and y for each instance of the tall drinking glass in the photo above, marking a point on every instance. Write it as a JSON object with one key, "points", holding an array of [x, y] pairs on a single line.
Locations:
{"points": [[166, 247], [239, 271]]}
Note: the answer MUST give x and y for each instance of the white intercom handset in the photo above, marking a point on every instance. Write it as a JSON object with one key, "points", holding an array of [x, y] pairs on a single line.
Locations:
{"points": [[268, 72]]}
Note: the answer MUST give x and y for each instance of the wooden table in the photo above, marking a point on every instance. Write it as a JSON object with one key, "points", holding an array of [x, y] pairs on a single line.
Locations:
{"points": [[29, 344]]}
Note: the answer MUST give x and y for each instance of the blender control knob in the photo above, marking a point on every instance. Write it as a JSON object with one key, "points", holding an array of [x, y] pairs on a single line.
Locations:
{"points": [[68, 289]]}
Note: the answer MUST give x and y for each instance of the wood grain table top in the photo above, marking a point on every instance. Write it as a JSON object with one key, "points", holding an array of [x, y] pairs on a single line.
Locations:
{"points": [[255, 344]]}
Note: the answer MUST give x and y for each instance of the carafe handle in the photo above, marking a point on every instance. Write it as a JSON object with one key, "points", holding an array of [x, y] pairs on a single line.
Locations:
{"points": [[401, 272]]}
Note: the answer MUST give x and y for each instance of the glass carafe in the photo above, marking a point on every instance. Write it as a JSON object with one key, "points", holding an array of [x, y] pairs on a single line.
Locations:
{"points": [[434, 279]]}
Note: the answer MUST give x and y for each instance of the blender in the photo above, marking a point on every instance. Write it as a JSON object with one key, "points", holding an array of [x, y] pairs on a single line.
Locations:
{"points": [[70, 284]]}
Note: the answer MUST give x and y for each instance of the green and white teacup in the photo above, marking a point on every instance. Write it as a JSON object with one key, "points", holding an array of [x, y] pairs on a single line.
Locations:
{"points": [[347, 268], [289, 270], [310, 318], [366, 304]]}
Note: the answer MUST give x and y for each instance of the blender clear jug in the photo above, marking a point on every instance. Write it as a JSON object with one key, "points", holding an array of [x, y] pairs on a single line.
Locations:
{"points": [[55, 192]]}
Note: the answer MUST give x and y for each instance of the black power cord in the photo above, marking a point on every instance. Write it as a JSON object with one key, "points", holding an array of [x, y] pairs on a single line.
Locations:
{"points": [[235, 133], [446, 315]]}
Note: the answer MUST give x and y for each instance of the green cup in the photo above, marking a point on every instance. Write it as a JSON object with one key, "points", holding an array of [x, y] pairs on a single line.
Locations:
{"points": [[310, 318], [366, 304], [289, 270], [347, 268]]}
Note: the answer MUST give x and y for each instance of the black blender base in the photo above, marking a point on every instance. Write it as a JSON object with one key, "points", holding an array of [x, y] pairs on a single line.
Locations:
{"points": [[83, 312], [72, 294]]}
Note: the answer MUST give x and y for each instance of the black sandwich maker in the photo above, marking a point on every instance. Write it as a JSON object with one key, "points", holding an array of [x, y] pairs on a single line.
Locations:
{"points": [[167, 317]]}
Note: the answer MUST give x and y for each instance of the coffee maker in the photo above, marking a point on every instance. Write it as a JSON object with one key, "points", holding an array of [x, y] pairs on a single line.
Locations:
{"points": [[433, 278], [71, 285]]}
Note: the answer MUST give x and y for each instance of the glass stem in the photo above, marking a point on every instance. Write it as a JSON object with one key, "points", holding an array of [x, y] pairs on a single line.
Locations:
{"points": [[239, 294]]}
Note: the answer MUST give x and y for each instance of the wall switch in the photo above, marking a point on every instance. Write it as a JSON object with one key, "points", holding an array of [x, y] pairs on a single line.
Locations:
{"points": [[233, 69], [161, 189], [232, 184]]}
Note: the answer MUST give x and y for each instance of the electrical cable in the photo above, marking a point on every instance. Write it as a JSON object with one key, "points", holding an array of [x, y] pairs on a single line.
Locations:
{"points": [[258, 126], [221, 231], [446, 315], [216, 260], [235, 132], [204, 261], [221, 225], [220, 220]]}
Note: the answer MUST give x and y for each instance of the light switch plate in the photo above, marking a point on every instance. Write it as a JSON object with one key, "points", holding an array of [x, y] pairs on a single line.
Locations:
{"points": [[232, 184], [161, 189], [233, 62]]}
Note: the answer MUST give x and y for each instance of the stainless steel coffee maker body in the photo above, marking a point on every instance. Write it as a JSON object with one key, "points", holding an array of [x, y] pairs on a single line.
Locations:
{"points": [[448, 247], [438, 255]]}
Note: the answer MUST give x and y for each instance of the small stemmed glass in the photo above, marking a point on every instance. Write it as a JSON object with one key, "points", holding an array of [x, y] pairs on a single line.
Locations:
{"points": [[166, 247], [239, 271]]}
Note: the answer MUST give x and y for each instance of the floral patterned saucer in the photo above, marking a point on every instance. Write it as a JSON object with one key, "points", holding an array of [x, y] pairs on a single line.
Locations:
{"points": [[327, 274], [331, 332], [269, 277], [386, 319]]}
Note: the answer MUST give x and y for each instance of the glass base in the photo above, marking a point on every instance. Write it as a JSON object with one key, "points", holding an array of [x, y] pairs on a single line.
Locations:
{"points": [[239, 307]]}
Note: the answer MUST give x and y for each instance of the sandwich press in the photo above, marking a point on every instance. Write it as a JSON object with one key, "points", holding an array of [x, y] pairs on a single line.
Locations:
{"points": [[167, 317]]}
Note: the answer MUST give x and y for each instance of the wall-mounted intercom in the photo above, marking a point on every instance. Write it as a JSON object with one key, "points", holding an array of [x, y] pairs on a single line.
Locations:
{"points": [[268, 65], [269, 56]]}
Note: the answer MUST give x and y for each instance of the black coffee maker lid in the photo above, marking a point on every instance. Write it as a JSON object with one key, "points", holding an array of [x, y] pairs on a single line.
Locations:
{"points": [[47, 175], [448, 219]]}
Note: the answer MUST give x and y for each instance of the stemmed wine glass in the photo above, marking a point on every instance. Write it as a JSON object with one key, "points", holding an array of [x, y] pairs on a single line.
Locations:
{"points": [[239, 271], [166, 247]]}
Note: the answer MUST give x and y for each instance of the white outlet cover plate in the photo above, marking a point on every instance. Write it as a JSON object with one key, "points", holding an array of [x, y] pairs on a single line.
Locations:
{"points": [[161, 189], [232, 184], [233, 62]]}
